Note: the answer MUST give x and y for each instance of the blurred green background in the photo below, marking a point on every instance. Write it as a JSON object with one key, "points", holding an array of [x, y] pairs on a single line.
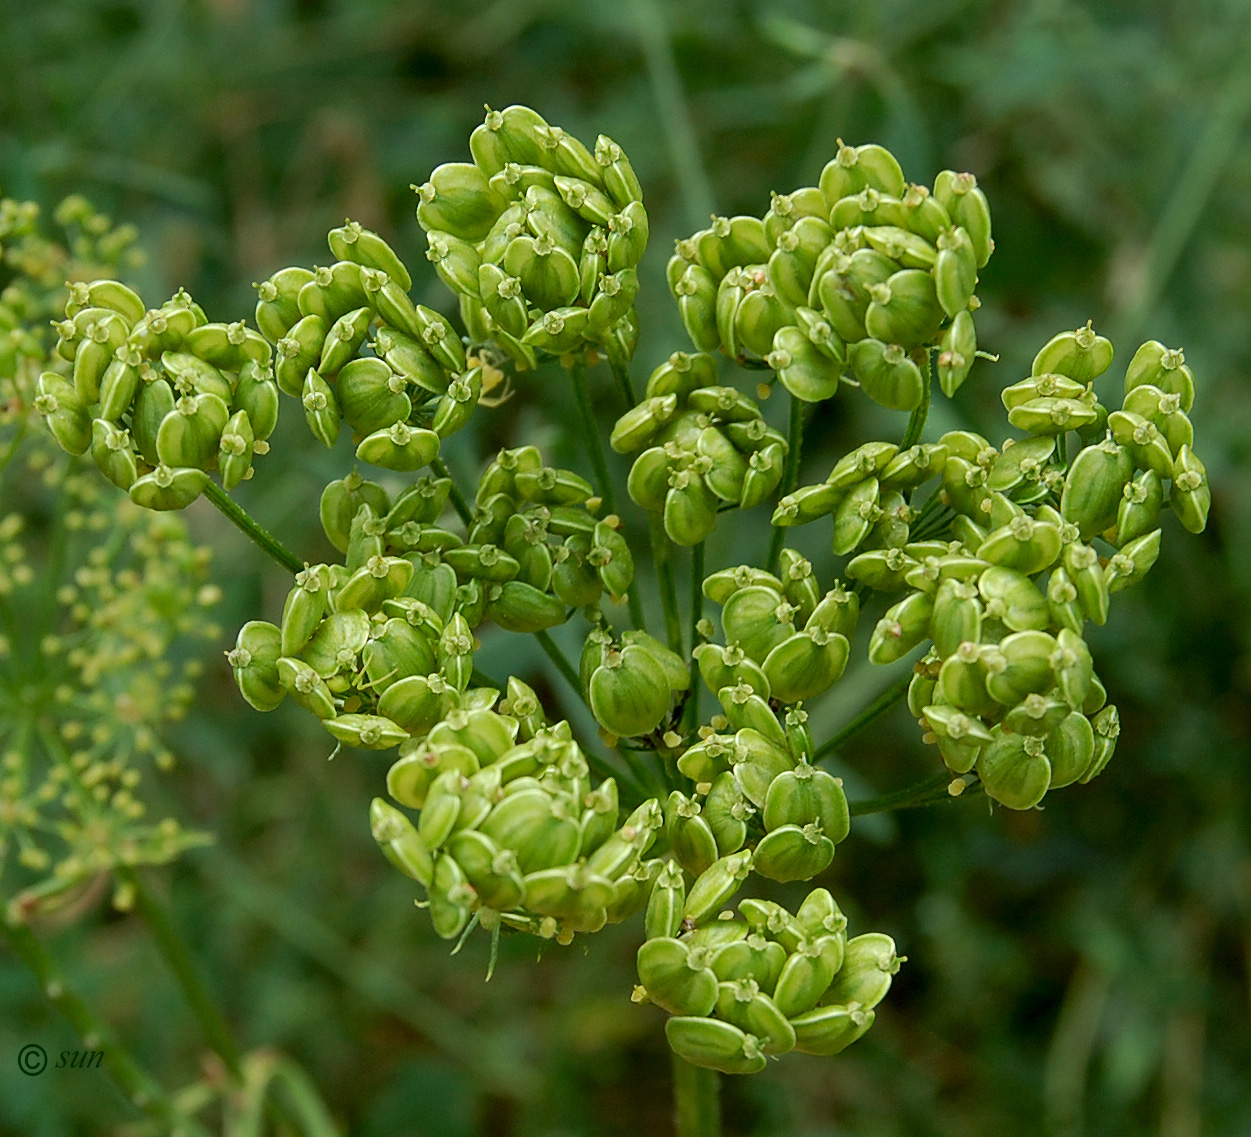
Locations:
{"points": [[1083, 969]]}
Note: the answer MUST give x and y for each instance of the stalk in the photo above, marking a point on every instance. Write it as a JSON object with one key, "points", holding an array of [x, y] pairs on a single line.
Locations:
{"points": [[599, 464], [916, 424], [790, 475], [590, 433], [668, 590], [178, 956], [697, 612], [878, 707], [256, 532], [932, 517], [927, 792], [696, 1100], [140, 1088], [462, 507], [268, 1069], [621, 372], [559, 661]]}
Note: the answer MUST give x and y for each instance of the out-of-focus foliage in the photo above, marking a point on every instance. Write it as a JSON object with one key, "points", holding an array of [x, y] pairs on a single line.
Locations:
{"points": [[1081, 969]]}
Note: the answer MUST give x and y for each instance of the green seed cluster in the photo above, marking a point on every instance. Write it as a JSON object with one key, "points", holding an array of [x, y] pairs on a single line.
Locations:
{"points": [[861, 274], [539, 238], [742, 989], [705, 448], [548, 549], [160, 397], [1033, 544], [862, 280], [353, 348], [784, 639], [534, 548], [511, 831], [511, 834], [381, 645], [357, 650]]}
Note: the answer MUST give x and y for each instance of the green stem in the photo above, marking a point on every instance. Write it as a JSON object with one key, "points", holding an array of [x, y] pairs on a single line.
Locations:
{"points": [[929, 792], [177, 955], [790, 475], [20, 433], [675, 114], [256, 532], [697, 612], [621, 372], [932, 517], [879, 706], [1062, 448], [916, 424], [635, 603], [668, 590], [462, 507], [696, 1100], [140, 1088], [599, 464], [590, 433], [559, 661], [268, 1070]]}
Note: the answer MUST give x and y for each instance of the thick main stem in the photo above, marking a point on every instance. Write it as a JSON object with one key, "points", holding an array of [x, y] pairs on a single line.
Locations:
{"points": [[696, 1100], [790, 475], [140, 1088], [178, 956], [256, 532]]}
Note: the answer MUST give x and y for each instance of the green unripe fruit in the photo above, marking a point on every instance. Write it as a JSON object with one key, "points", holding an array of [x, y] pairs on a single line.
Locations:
{"points": [[831, 1029], [1014, 770], [716, 1045], [1163, 368], [629, 692], [886, 373], [869, 965], [166, 488]]}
